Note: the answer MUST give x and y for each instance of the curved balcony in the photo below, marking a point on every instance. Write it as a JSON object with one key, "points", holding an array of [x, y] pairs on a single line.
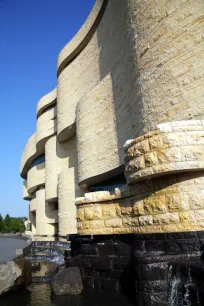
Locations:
{"points": [[26, 195], [52, 216], [57, 155], [36, 177], [33, 205], [46, 127], [28, 155], [96, 128], [77, 78], [80, 40], [46, 101]]}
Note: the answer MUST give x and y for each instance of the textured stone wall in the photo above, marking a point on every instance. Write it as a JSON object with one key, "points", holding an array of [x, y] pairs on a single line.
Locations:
{"points": [[46, 124], [56, 160], [36, 177], [169, 59], [95, 116], [33, 204], [167, 204], [68, 190], [174, 147], [26, 195], [45, 217], [133, 65], [154, 202], [46, 101], [151, 269], [32, 220]]}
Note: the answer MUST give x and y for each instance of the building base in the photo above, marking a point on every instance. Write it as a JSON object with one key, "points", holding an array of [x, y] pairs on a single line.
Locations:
{"points": [[151, 269]]}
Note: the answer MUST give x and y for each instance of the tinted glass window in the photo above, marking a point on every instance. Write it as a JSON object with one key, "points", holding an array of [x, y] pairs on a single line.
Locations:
{"points": [[39, 160]]}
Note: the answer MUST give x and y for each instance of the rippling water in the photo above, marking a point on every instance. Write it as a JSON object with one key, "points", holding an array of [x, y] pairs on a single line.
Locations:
{"points": [[8, 247], [40, 295]]}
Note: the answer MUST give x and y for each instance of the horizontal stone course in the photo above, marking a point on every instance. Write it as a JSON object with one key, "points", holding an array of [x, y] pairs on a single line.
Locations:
{"points": [[165, 150], [168, 204]]}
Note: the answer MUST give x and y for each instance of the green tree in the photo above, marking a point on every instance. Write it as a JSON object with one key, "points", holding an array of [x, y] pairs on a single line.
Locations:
{"points": [[7, 224], [1, 223]]}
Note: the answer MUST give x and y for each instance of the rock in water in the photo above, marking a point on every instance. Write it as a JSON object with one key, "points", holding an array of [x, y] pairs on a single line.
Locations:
{"points": [[67, 282], [14, 275]]}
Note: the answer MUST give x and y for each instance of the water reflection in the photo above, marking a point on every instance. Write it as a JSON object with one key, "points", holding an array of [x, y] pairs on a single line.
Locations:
{"points": [[40, 295]]}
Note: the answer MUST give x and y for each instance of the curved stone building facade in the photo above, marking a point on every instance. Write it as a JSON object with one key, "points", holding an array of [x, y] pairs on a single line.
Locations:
{"points": [[119, 143]]}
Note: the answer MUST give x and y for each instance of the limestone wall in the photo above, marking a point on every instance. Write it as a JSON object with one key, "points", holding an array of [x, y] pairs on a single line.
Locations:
{"points": [[46, 124], [36, 177], [133, 71], [33, 204], [68, 190], [57, 155], [46, 101], [32, 219], [44, 217], [26, 195], [164, 169], [169, 58]]}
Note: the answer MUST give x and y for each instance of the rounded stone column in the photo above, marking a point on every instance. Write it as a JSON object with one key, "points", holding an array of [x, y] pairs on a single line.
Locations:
{"points": [[169, 56], [43, 228], [67, 208]]}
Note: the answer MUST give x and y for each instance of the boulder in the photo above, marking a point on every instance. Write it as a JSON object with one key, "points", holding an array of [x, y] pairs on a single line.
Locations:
{"points": [[15, 275], [67, 282]]}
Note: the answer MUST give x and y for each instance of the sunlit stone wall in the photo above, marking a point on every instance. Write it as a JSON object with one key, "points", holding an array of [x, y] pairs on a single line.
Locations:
{"points": [[133, 71], [164, 169]]}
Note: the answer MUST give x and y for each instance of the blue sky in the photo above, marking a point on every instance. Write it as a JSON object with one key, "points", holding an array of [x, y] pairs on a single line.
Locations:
{"points": [[32, 33]]}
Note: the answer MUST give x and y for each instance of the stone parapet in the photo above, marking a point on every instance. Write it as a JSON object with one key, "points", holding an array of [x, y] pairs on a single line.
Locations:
{"points": [[168, 204], [174, 147], [164, 170]]}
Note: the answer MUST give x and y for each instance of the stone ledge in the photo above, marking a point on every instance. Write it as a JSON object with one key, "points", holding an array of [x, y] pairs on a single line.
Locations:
{"points": [[174, 147], [162, 205]]}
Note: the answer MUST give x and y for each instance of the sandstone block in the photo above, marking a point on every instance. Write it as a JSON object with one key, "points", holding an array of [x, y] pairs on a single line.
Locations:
{"points": [[93, 212], [176, 202], [192, 153], [174, 139], [80, 214], [199, 215], [138, 208], [96, 224], [196, 200], [155, 205], [145, 220], [170, 155], [109, 211], [124, 207], [187, 216], [195, 137], [167, 218], [151, 159], [165, 127], [113, 223], [156, 143]]}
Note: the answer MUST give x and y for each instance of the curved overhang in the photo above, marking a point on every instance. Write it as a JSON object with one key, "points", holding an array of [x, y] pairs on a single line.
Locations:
{"points": [[46, 101], [26, 195], [36, 178], [81, 39], [35, 146], [33, 205], [30, 152]]}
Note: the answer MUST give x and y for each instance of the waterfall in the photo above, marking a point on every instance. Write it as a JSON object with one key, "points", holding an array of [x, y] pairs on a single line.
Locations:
{"points": [[182, 290]]}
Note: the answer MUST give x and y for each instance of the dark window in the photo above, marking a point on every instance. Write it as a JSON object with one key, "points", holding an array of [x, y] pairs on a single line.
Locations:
{"points": [[110, 185], [38, 160], [48, 108]]}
